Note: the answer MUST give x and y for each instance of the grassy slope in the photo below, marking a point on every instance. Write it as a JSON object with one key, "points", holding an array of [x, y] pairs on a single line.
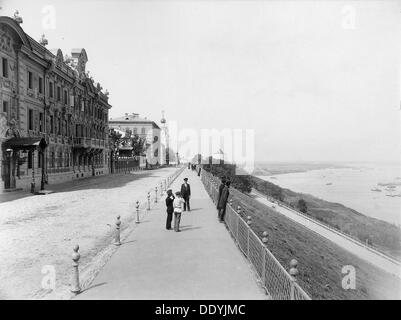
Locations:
{"points": [[381, 234], [319, 260]]}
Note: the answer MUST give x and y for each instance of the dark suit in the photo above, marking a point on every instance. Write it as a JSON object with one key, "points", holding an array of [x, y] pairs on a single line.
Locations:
{"points": [[170, 210], [221, 187], [186, 193], [221, 205]]}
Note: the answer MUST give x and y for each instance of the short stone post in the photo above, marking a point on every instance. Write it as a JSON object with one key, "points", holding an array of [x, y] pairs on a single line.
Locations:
{"points": [[117, 236], [148, 200], [293, 272], [137, 211], [156, 194], [265, 238], [249, 220], [75, 287]]}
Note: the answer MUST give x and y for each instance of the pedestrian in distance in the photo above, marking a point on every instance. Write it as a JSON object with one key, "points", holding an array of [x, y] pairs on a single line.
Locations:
{"points": [[177, 204], [223, 200], [221, 187], [170, 208], [199, 171], [186, 194]]}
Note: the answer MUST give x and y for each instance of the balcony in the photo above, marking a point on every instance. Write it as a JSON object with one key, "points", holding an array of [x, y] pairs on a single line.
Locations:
{"points": [[81, 143], [85, 143]]}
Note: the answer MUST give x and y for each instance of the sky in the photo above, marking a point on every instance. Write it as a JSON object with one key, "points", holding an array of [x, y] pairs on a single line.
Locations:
{"points": [[315, 80]]}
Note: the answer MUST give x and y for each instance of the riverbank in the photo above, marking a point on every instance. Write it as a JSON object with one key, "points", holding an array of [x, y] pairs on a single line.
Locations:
{"points": [[378, 233]]}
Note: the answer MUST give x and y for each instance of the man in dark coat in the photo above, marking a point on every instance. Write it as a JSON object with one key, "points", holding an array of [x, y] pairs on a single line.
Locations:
{"points": [[186, 193], [223, 201], [221, 186], [170, 209]]}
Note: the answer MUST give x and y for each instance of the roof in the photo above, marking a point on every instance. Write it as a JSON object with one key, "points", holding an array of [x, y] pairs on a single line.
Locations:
{"points": [[130, 119], [25, 143]]}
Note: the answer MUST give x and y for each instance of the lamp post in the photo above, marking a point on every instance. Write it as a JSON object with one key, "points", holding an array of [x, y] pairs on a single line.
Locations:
{"points": [[42, 180], [33, 170], [177, 162], [9, 153]]}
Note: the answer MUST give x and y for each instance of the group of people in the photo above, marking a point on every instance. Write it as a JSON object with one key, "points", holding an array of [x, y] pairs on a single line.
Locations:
{"points": [[180, 202], [222, 199], [193, 168], [177, 204]]}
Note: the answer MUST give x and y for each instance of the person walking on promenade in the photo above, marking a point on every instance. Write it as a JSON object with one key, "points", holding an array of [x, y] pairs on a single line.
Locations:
{"points": [[177, 204], [223, 201], [199, 171], [170, 208], [221, 187], [186, 194]]}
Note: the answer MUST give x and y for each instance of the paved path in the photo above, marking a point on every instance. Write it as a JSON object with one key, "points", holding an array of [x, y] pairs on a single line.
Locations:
{"points": [[375, 258], [201, 262]]}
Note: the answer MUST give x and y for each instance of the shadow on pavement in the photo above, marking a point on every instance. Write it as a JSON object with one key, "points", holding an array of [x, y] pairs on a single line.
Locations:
{"points": [[108, 181]]}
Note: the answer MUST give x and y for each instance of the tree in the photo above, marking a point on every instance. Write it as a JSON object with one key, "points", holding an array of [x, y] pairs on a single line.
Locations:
{"points": [[302, 206], [138, 145], [115, 139]]}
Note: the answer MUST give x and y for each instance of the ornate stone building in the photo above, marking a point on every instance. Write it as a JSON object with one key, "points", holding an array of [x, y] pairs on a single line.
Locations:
{"points": [[53, 116], [144, 128]]}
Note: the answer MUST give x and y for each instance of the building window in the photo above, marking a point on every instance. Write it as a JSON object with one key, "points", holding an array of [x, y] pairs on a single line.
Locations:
{"points": [[30, 80], [4, 63], [51, 124], [40, 85], [5, 106], [30, 158], [30, 119], [135, 130], [58, 94], [52, 160], [60, 159], [51, 89], [65, 97], [143, 131], [40, 122], [59, 126], [39, 159]]}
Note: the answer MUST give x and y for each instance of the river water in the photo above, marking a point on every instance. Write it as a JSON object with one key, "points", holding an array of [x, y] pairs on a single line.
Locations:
{"points": [[352, 187]]}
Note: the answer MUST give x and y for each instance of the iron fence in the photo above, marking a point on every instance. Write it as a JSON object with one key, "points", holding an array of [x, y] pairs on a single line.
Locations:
{"points": [[277, 282]]}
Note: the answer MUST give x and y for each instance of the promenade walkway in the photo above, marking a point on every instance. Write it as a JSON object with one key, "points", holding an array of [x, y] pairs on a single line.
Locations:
{"points": [[201, 262]]}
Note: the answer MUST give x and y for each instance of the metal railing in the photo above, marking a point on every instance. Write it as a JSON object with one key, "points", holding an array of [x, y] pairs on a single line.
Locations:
{"points": [[277, 282]]}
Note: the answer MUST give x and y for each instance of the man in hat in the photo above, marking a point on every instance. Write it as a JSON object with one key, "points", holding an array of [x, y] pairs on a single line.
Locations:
{"points": [[170, 208], [221, 205], [186, 193], [221, 187]]}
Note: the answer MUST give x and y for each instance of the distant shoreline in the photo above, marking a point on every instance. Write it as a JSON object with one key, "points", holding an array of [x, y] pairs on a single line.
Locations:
{"points": [[274, 169]]}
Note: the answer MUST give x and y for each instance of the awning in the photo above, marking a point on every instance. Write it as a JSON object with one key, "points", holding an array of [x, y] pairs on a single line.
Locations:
{"points": [[25, 143]]}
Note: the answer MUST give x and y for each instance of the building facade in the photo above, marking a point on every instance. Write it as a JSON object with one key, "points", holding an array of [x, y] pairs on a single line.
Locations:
{"points": [[144, 128], [53, 117]]}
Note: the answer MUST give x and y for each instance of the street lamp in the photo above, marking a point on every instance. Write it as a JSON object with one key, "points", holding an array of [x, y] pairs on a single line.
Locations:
{"points": [[33, 170]]}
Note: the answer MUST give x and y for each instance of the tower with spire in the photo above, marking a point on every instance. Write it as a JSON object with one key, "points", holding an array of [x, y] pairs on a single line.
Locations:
{"points": [[165, 130]]}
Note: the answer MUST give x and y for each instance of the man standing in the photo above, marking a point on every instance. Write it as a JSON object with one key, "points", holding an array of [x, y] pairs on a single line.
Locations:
{"points": [[223, 201], [221, 187], [186, 194], [170, 208]]}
